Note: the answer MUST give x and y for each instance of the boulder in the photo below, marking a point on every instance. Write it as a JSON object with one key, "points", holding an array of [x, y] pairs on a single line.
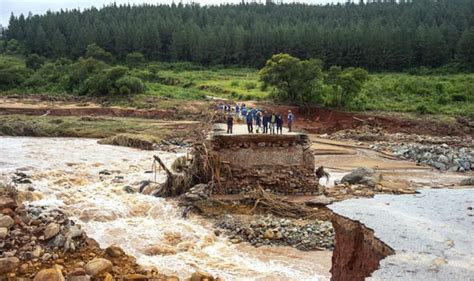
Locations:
{"points": [[201, 276], [114, 251], [467, 181], [9, 264], [98, 266], [51, 230], [358, 175], [6, 221], [320, 200], [50, 274], [7, 202]]}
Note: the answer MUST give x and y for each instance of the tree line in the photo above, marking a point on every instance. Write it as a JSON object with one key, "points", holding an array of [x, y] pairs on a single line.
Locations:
{"points": [[380, 35]]}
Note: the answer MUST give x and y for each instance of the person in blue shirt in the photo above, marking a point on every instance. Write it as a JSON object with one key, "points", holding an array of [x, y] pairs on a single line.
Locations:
{"points": [[244, 111], [237, 110], [249, 119], [253, 111], [291, 117]]}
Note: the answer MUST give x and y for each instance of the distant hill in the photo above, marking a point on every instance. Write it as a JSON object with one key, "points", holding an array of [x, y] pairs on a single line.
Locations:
{"points": [[382, 35]]}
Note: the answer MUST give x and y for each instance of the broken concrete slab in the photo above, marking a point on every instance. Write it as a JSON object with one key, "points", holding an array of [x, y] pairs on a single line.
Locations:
{"points": [[430, 232]]}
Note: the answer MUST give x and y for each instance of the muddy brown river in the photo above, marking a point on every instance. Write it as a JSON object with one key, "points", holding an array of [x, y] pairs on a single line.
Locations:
{"points": [[65, 174]]}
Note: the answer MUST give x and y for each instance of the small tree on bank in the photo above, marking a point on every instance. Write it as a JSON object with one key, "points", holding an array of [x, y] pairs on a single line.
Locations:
{"points": [[292, 78], [346, 83]]}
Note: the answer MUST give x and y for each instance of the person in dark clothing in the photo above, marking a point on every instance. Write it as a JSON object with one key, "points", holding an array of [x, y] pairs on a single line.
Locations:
{"points": [[230, 123], [272, 123], [258, 121], [279, 123], [265, 122], [249, 119]]}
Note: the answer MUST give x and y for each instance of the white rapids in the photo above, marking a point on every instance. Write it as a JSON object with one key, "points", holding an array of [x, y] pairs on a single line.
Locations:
{"points": [[65, 174]]}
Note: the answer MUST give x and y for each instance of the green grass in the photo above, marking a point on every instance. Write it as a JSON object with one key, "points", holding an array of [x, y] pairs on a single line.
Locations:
{"points": [[168, 84], [434, 94]]}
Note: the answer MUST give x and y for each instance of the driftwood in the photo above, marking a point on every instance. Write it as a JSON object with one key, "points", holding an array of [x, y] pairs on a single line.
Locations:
{"points": [[278, 205]]}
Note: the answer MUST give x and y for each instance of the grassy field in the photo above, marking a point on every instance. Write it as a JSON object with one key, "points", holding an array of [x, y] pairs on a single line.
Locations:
{"points": [[167, 84]]}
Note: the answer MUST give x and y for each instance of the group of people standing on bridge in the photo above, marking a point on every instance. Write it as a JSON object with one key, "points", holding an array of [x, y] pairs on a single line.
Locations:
{"points": [[264, 121]]}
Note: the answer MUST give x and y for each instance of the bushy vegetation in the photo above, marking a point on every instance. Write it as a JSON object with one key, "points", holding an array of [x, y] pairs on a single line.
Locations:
{"points": [[377, 35], [434, 94], [424, 91]]}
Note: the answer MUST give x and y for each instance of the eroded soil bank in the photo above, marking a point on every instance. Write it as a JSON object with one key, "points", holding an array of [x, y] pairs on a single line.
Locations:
{"points": [[358, 252]]}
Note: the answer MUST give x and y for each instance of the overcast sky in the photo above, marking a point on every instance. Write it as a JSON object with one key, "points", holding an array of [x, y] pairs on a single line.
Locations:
{"points": [[41, 6]]}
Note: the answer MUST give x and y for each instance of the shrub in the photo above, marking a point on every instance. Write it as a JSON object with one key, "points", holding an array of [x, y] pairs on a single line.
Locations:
{"points": [[458, 97], [130, 85], [96, 52], [13, 75], [134, 59], [234, 83], [250, 85], [34, 61]]}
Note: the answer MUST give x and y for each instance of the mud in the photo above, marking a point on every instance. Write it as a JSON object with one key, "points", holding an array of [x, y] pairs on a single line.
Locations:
{"points": [[320, 120]]}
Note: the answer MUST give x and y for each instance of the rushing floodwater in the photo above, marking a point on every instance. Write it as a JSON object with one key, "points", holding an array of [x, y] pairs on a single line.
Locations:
{"points": [[65, 174]]}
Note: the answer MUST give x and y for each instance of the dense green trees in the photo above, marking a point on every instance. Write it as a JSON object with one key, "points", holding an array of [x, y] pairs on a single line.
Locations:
{"points": [[302, 81], [380, 35], [346, 83], [292, 78]]}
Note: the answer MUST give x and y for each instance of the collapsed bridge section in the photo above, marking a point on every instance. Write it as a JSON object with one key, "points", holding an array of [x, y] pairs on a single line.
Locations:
{"points": [[282, 164]]}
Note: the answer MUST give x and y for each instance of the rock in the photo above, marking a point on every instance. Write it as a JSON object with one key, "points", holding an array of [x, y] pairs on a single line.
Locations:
{"points": [[439, 166], [128, 189], [443, 159], [36, 253], [319, 200], [79, 278], [3, 232], [46, 257], [98, 266], [358, 175], [108, 277], [268, 234], [50, 274], [114, 251], [160, 250], [135, 277], [467, 181], [51, 230], [77, 272], [6, 221], [201, 276], [23, 268], [8, 265]]}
